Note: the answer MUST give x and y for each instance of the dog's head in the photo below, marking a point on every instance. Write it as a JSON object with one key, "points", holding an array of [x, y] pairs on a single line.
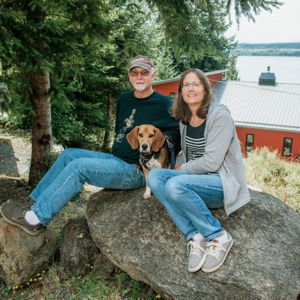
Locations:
{"points": [[146, 137]]}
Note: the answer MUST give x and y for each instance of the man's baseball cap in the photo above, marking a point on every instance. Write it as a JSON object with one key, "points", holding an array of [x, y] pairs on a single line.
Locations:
{"points": [[141, 61]]}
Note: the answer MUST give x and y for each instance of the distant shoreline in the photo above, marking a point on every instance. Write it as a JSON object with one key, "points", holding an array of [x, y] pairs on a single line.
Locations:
{"points": [[267, 49], [237, 53]]}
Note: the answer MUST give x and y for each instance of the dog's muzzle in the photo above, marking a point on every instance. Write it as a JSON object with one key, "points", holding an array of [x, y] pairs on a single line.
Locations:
{"points": [[144, 148]]}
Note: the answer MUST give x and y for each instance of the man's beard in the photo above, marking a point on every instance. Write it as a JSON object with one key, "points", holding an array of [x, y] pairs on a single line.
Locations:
{"points": [[140, 87]]}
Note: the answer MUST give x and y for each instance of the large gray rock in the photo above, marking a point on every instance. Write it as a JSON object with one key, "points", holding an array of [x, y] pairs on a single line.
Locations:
{"points": [[139, 237], [23, 255]]}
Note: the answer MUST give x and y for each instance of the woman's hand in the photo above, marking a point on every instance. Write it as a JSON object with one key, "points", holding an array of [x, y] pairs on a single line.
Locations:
{"points": [[178, 168]]}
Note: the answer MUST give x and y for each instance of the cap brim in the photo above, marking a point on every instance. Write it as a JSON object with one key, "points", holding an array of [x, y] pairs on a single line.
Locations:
{"points": [[140, 65]]}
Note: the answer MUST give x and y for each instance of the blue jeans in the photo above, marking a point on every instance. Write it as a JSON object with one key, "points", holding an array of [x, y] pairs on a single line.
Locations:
{"points": [[72, 169], [188, 198]]}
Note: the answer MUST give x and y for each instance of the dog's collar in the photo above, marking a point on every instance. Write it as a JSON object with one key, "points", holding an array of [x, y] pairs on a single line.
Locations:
{"points": [[145, 157]]}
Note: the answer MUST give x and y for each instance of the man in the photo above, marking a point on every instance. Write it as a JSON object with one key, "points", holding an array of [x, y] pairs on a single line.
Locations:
{"points": [[118, 170]]}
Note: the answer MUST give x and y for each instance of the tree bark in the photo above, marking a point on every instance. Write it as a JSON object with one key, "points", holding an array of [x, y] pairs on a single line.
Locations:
{"points": [[107, 136], [41, 125]]}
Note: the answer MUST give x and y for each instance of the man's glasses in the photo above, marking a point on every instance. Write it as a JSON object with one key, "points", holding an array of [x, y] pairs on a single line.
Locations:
{"points": [[136, 73], [186, 85]]}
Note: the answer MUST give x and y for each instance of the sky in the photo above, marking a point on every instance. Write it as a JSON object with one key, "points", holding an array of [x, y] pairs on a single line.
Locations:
{"points": [[280, 25]]}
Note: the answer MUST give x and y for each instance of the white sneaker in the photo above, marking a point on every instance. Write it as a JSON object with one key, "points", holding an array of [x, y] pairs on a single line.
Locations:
{"points": [[216, 254], [196, 254]]}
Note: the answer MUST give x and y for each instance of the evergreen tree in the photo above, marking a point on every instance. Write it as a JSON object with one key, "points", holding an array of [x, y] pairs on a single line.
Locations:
{"points": [[4, 96], [231, 73], [36, 38], [250, 8]]}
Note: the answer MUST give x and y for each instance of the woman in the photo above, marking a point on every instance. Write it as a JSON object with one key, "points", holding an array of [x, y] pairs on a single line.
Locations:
{"points": [[211, 175]]}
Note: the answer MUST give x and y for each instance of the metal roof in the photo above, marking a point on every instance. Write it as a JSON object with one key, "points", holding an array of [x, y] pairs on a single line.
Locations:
{"points": [[265, 107]]}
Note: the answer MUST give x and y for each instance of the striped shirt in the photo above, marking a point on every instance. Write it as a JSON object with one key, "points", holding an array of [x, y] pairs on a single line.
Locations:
{"points": [[195, 142]]}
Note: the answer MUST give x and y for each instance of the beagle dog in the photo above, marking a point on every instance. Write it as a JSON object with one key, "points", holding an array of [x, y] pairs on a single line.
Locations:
{"points": [[152, 147]]}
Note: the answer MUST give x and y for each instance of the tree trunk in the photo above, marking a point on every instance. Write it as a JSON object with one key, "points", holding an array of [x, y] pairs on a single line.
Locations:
{"points": [[41, 125], [107, 136]]}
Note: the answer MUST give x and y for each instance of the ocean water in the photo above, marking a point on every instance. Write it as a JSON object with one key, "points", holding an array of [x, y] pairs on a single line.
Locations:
{"points": [[286, 68]]}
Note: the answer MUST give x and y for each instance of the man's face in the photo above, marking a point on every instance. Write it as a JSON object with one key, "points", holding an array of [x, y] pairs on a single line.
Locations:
{"points": [[141, 79]]}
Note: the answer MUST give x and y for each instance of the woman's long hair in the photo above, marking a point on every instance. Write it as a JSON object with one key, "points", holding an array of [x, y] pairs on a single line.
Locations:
{"points": [[181, 110]]}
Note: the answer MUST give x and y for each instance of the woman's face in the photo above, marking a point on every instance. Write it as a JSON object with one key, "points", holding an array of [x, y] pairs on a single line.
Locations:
{"points": [[193, 90]]}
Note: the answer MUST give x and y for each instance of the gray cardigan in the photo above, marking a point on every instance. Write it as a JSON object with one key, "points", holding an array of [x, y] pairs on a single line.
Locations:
{"points": [[222, 155]]}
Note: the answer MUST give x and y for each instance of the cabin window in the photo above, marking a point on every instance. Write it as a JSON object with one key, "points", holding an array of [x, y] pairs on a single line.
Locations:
{"points": [[287, 147], [249, 142]]}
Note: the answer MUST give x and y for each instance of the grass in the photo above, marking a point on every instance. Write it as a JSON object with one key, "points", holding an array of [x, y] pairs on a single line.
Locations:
{"points": [[120, 286], [275, 176]]}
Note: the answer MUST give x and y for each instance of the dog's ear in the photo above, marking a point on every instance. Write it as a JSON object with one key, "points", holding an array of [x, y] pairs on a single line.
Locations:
{"points": [[158, 141], [132, 138]]}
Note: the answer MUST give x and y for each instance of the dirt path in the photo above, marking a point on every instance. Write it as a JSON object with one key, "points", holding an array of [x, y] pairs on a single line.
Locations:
{"points": [[15, 154]]}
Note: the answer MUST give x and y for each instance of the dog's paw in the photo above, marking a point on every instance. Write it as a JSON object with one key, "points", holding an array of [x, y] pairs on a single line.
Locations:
{"points": [[147, 195]]}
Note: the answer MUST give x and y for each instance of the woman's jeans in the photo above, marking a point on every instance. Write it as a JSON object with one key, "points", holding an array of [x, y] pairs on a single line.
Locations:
{"points": [[188, 198], [72, 169]]}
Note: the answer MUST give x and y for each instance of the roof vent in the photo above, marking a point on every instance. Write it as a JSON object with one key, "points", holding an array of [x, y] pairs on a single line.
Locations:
{"points": [[267, 78]]}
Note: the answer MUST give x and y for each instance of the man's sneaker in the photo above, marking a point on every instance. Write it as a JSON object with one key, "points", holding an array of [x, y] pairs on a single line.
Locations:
{"points": [[14, 213], [216, 254], [196, 253]]}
